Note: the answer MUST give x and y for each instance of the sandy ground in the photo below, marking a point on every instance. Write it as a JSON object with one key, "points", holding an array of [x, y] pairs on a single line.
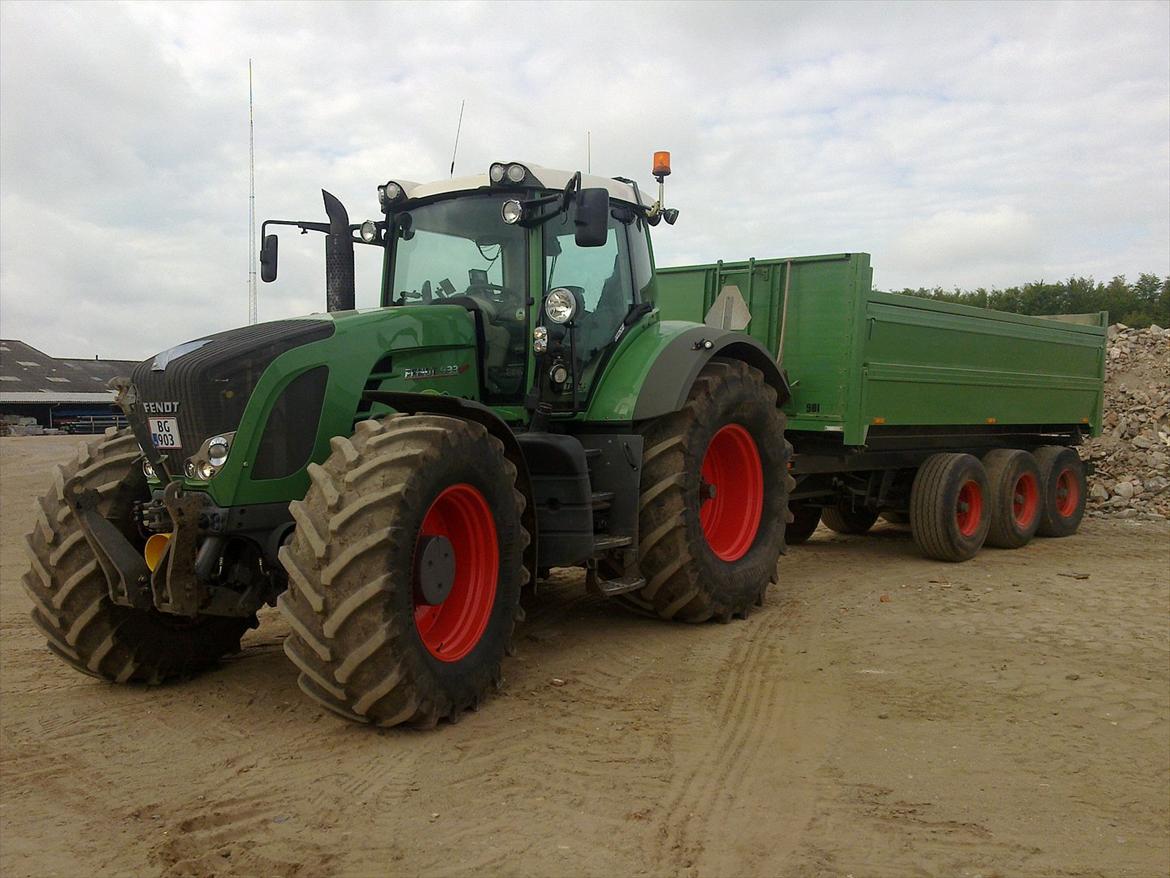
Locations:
{"points": [[881, 716]]}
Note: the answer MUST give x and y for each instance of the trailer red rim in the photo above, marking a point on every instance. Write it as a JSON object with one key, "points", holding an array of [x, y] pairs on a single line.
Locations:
{"points": [[1068, 493], [969, 508], [451, 629], [1025, 499], [731, 492]]}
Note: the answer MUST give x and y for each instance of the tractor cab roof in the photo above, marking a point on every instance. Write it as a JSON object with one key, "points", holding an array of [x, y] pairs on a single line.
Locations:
{"points": [[544, 178]]}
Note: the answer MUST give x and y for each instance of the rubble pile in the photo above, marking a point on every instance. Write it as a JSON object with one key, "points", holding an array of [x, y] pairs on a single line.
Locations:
{"points": [[1132, 454]]}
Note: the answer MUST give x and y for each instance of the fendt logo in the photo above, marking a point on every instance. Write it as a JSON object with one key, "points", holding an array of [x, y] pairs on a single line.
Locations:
{"points": [[160, 408], [414, 374]]}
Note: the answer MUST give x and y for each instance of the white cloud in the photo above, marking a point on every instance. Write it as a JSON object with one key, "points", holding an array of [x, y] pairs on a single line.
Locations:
{"points": [[960, 144]]}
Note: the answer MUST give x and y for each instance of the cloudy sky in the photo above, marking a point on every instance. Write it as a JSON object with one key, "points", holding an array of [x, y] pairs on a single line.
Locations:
{"points": [[961, 145]]}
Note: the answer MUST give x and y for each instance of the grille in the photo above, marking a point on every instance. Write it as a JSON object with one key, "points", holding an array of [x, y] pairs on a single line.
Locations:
{"points": [[213, 381]]}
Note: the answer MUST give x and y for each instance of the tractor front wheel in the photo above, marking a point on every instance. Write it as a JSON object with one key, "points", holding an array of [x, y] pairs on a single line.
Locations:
{"points": [[714, 499], [405, 571], [71, 599]]}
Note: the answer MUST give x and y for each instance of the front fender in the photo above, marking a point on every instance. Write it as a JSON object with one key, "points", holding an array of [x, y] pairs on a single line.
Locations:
{"points": [[652, 373]]}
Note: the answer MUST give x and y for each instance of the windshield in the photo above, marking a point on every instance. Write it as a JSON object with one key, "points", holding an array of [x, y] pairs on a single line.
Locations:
{"points": [[461, 252], [459, 247]]}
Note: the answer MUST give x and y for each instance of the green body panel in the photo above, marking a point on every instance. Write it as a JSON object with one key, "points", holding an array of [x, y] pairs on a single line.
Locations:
{"points": [[435, 337], [856, 357]]}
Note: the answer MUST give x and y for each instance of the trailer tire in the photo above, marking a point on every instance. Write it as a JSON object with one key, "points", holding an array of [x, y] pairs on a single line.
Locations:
{"points": [[900, 518], [948, 507], [805, 520], [369, 634], [1016, 498], [703, 559], [844, 519], [1062, 479], [71, 598]]}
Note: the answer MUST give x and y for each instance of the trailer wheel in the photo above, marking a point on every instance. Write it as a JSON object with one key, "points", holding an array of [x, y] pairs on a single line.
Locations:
{"points": [[1015, 498], [804, 523], [715, 489], [900, 518], [71, 598], [949, 507], [1062, 475], [405, 571], [844, 519]]}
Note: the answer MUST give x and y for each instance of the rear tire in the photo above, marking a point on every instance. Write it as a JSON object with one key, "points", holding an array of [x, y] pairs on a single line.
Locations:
{"points": [[948, 507], [1062, 479], [373, 640], [703, 558], [1015, 498], [844, 519], [86, 629], [805, 520]]}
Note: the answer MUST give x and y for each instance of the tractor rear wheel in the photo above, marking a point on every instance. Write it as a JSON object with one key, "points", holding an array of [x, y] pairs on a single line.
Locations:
{"points": [[949, 515], [715, 489], [1015, 498], [844, 519], [804, 523], [72, 601], [405, 571], [1062, 477]]}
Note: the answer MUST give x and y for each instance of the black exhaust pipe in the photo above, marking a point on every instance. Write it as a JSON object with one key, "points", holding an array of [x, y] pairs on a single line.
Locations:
{"points": [[339, 289]]}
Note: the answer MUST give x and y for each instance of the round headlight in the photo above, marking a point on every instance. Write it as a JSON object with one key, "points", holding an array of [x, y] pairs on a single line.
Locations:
{"points": [[189, 469], [393, 191], [217, 450], [206, 470], [517, 173], [369, 232], [147, 469], [511, 212], [496, 173], [560, 305], [558, 374]]}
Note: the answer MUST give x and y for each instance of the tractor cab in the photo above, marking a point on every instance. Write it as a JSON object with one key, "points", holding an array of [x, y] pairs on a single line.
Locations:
{"points": [[553, 266]]}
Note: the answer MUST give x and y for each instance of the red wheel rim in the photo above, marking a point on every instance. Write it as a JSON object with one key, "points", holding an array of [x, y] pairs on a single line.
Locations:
{"points": [[450, 630], [731, 492], [969, 508], [1025, 499], [1068, 493]]}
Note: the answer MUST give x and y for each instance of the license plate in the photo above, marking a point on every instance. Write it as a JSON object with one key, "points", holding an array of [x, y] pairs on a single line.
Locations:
{"points": [[164, 432]]}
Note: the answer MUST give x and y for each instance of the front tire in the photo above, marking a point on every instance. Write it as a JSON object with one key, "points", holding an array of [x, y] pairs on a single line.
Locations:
{"points": [[714, 499], [377, 634], [83, 627], [949, 507], [842, 518]]}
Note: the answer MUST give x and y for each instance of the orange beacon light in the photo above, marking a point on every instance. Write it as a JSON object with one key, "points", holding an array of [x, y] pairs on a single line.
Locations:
{"points": [[661, 164]]}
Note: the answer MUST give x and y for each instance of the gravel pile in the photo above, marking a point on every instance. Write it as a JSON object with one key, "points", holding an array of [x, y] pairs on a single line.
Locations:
{"points": [[1132, 455]]}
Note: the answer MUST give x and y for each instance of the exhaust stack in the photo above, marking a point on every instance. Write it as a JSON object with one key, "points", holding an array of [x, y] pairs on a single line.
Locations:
{"points": [[339, 283]]}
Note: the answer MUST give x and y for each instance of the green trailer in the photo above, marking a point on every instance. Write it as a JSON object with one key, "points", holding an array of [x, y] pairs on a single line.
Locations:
{"points": [[882, 382]]}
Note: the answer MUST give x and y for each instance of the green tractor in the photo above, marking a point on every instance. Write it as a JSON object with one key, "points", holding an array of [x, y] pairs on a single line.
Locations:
{"points": [[393, 478]]}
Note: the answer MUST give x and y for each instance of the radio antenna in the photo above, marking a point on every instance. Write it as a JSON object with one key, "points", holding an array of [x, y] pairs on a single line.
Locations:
{"points": [[252, 318], [588, 152], [458, 128]]}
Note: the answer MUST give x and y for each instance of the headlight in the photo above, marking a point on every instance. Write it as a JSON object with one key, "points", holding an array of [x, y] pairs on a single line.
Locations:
{"points": [[496, 173], [560, 305], [217, 451], [512, 212], [393, 191], [189, 469], [147, 469], [369, 232], [205, 470], [517, 173], [540, 340]]}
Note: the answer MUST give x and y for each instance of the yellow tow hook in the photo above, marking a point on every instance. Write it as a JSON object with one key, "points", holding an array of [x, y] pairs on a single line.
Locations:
{"points": [[155, 548]]}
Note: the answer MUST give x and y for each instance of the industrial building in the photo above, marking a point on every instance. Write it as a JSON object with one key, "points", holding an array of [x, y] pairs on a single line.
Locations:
{"points": [[61, 394]]}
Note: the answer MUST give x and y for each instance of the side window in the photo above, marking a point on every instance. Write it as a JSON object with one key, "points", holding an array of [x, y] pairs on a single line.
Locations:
{"points": [[602, 275]]}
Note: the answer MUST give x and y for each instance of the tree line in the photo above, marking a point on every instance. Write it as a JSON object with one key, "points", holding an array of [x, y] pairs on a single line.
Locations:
{"points": [[1138, 303]]}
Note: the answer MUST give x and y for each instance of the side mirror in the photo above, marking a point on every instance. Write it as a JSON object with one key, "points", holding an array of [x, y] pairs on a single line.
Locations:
{"points": [[268, 259], [592, 217]]}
